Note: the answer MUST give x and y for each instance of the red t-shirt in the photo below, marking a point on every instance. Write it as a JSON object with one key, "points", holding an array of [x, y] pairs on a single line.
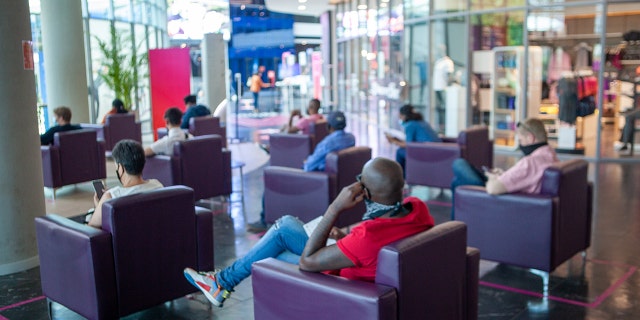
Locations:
{"points": [[364, 241]]}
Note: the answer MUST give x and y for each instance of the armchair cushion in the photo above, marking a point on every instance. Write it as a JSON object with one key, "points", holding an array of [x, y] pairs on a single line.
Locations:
{"points": [[289, 150]]}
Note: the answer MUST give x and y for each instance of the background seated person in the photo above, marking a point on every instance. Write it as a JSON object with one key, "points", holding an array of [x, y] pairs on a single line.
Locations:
{"points": [[355, 255], [525, 176], [193, 110], [62, 117], [129, 158], [172, 118], [304, 124], [117, 106], [336, 140], [415, 129]]}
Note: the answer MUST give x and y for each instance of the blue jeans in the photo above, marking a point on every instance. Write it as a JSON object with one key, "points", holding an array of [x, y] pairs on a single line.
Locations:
{"points": [[255, 100], [284, 241], [464, 174]]}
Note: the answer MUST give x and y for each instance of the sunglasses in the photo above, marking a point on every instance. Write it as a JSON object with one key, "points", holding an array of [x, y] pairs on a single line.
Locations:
{"points": [[366, 191]]}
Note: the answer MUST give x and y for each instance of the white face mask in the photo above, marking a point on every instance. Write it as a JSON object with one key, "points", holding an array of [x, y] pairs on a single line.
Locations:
{"points": [[400, 122]]}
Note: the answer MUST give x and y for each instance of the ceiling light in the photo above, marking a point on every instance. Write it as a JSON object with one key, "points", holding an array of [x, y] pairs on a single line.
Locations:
{"points": [[302, 1], [383, 5], [302, 7], [385, 0], [362, 7]]}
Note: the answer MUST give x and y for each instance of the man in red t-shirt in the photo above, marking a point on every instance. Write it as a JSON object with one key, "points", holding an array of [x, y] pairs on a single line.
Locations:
{"points": [[354, 256]]}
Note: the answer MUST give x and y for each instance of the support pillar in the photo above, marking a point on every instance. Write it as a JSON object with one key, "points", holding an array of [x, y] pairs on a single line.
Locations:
{"points": [[21, 185], [214, 69], [64, 58]]}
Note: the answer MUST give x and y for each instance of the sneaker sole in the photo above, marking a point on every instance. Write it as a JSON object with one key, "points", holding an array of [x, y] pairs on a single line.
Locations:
{"points": [[206, 293]]}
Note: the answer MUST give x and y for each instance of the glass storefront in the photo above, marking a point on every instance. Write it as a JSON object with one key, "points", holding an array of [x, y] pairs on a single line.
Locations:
{"points": [[495, 62], [140, 25]]}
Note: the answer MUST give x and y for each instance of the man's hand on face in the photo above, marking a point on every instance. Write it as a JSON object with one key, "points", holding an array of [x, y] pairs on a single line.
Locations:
{"points": [[349, 196]]}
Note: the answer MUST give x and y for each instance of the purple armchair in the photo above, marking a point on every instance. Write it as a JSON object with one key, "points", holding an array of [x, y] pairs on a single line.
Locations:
{"points": [[199, 163], [431, 275], [533, 231], [429, 163], [134, 262], [307, 195], [290, 150], [117, 127], [75, 156]]}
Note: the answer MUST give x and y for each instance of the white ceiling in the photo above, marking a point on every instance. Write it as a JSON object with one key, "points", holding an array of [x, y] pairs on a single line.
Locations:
{"points": [[312, 7]]}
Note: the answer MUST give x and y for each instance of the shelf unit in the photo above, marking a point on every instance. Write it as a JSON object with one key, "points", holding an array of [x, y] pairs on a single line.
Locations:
{"points": [[510, 100]]}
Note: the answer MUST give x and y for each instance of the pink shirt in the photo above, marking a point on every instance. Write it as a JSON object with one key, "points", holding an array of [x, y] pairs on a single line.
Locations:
{"points": [[305, 123], [526, 174]]}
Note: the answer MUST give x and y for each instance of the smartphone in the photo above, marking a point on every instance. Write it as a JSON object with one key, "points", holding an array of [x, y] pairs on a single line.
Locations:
{"points": [[98, 186]]}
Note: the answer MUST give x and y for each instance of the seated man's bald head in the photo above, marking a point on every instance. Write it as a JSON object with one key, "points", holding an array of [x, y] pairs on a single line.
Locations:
{"points": [[383, 178]]}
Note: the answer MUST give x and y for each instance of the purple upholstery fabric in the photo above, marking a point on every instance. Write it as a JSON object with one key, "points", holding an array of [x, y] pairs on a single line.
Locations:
{"points": [[75, 156], [117, 127], [307, 195], [319, 131], [289, 150], [431, 275], [209, 176], [557, 222], [207, 125], [134, 262], [429, 163]]}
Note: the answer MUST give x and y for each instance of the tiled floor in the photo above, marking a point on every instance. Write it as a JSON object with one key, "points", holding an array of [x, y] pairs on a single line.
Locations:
{"points": [[607, 286]]}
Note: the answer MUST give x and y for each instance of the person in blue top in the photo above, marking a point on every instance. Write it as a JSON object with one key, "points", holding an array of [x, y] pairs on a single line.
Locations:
{"points": [[415, 129], [193, 110], [335, 141]]}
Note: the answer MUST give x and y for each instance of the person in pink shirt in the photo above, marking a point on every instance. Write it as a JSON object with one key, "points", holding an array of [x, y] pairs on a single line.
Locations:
{"points": [[525, 176], [304, 125]]}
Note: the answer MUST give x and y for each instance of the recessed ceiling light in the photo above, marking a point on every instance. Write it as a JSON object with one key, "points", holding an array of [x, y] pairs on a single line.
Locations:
{"points": [[385, 0], [383, 5], [302, 1], [362, 7], [302, 7]]}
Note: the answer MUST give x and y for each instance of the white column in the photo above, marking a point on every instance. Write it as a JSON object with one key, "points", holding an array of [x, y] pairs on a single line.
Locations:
{"points": [[64, 59], [21, 185], [214, 68]]}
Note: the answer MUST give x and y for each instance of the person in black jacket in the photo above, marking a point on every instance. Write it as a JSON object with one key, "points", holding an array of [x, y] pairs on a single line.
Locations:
{"points": [[63, 119]]}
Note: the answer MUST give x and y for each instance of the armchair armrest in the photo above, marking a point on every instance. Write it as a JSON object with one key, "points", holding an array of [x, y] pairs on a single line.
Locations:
{"points": [[487, 215], [429, 163], [51, 166], [311, 295], [76, 266], [295, 192], [204, 229], [473, 280], [160, 167], [226, 170], [289, 150]]}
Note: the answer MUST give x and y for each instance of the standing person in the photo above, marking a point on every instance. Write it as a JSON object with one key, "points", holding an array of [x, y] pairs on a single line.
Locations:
{"points": [[129, 158], [256, 86], [304, 125], [525, 176], [415, 129], [193, 110], [388, 218], [336, 140], [117, 106], [172, 119], [62, 117]]}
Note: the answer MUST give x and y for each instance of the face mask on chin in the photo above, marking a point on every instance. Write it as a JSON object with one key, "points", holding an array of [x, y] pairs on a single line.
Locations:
{"points": [[118, 175], [527, 150], [376, 210]]}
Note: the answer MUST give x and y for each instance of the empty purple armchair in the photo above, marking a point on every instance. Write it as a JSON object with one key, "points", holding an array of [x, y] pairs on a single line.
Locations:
{"points": [[429, 163], [307, 195], [538, 231], [117, 127], [201, 126], [431, 275], [75, 156], [200, 163], [290, 150], [134, 262]]}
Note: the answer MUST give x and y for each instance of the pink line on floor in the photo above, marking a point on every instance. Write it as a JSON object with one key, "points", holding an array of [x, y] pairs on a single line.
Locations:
{"points": [[439, 203], [17, 304], [599, 299]]}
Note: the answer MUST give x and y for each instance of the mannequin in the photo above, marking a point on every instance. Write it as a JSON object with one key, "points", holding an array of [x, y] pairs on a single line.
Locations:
{"points": [[442, 70]]}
